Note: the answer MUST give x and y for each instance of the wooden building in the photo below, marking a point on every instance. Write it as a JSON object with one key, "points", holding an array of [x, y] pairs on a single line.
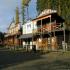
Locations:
{"points": [[14, 31], [27, 35], [51, 32], [46, 32]]}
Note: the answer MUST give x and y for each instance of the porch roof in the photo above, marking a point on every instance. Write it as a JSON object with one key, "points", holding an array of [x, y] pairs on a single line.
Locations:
{"points": [[25, 36]]}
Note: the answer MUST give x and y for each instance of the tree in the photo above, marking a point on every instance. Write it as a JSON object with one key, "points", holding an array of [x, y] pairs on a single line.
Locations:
{"points": [[62, 7], [65, 11], [25, 3], [23, 10], [41, 5], [1, 38], [17, 15], [47, 4]]}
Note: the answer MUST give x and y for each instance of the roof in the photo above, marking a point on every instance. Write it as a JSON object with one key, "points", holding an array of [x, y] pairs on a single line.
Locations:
{"points": [[46, 12], [12, 24], [25, 36]]}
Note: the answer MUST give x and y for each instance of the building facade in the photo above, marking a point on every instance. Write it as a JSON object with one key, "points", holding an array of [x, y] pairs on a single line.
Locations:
{"points": [[51, 32], [14, 31], [27, 36], [46, 32]]}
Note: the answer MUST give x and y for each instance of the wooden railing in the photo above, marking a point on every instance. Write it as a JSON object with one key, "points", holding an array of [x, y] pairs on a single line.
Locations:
{"points": [[48, 28]]}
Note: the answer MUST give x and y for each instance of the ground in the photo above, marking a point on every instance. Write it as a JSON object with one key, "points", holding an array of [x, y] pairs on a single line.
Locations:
{"points": [[19, 60]]}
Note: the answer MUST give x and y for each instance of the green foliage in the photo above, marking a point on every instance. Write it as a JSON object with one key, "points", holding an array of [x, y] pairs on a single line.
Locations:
{"points": [[23, 10], [24, 4], [1, 36], [62, 7], [47, 4], [41, 5], [17, 15]]}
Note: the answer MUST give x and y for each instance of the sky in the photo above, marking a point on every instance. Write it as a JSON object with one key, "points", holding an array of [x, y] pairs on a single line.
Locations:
{"points": [[7, 12]]}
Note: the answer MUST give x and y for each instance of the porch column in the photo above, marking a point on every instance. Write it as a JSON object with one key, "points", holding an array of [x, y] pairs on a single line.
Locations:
{"points": [[64, 45], [41, 35], [50, 35]]}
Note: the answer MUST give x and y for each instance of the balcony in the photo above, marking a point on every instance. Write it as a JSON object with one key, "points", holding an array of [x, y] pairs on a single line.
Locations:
{"points": [[49, 28]]}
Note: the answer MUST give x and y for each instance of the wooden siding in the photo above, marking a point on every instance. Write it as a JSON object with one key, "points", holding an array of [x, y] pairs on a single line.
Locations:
{"points": [[44, 44]]}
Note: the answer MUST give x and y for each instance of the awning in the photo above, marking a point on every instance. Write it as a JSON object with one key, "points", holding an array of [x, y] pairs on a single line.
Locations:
{"points": [[25, 36]]}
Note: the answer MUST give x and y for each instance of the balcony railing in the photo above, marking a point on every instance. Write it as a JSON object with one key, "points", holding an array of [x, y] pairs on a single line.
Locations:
{"points": [[49, 28]]}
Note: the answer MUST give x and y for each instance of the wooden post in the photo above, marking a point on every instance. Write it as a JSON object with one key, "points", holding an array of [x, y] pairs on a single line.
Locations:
{"points": [[41, 34], [64, 37], [50, 34], [32, 34]]}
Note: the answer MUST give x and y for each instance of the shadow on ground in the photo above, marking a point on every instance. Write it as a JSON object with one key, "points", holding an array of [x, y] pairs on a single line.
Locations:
{"points": [[18, 60], [53, 61], [53, 65], [11, 58]]}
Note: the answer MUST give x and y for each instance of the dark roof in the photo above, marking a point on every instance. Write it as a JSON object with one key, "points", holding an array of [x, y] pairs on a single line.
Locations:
{"points": [[25, 36]]}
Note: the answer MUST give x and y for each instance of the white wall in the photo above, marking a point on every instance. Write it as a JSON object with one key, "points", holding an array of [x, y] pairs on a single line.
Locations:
{"points": [[28, 27], [13, 29]]}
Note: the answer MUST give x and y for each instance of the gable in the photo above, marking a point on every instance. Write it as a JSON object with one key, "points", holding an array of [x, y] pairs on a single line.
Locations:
{"points": [[12, 25], [46, 12]]}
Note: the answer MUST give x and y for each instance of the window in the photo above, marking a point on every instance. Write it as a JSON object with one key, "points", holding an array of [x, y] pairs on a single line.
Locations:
{"points": [[29, 26]]}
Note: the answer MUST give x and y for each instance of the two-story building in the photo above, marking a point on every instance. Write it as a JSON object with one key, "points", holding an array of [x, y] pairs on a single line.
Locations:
{"points": [[14, 31], [51, 31], [46, 32], [27, 35]]}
